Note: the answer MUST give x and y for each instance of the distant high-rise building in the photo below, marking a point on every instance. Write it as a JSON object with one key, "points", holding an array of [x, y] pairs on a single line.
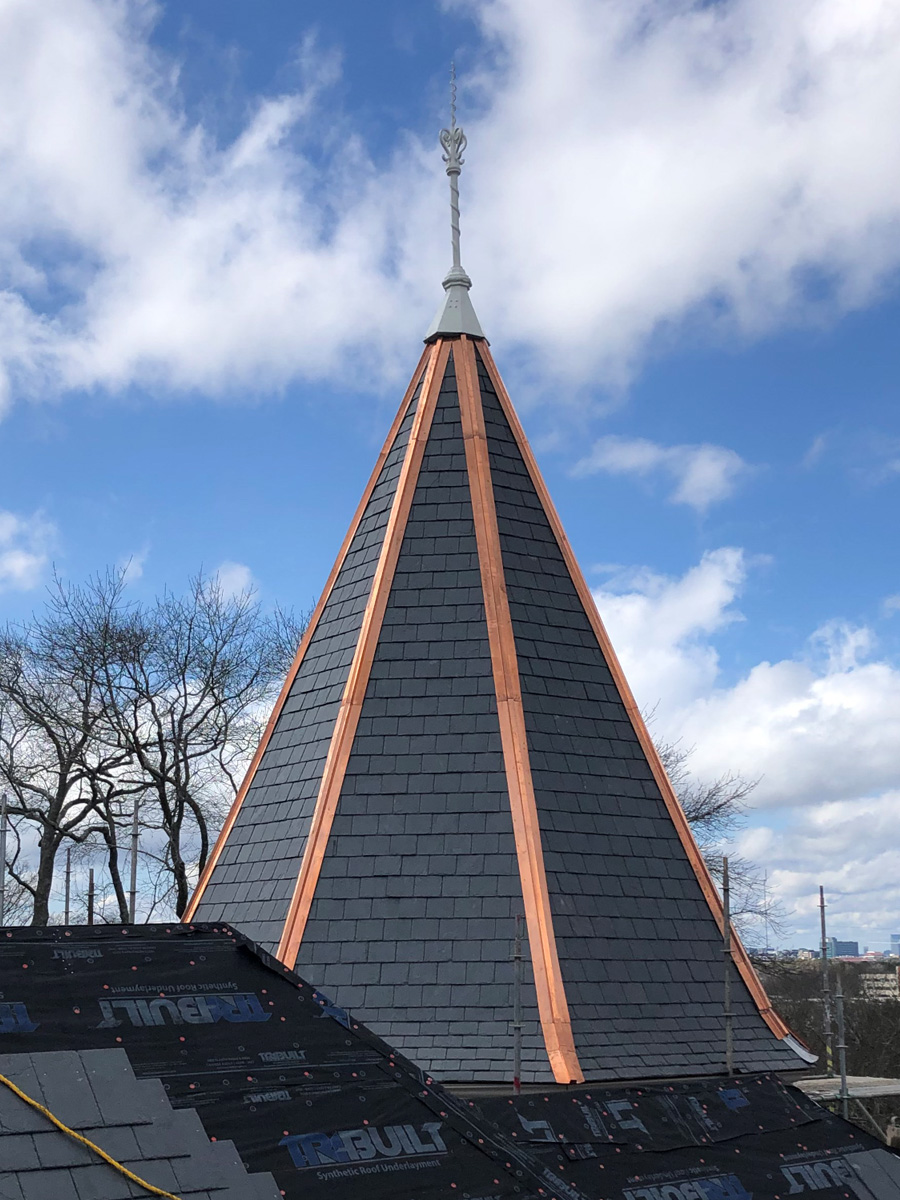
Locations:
{"points": [[839, 949], [895, 944]]}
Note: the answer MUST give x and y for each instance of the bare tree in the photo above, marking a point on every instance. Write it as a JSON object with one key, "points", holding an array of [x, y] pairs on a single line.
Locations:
{"points": [[105, 704], [716, 811], [187, 696], [18, 901], [54, 759]]}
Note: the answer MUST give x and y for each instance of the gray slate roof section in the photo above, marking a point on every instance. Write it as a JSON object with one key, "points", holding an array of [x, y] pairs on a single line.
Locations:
{"points": [[877, 1174], [414, 915], [254, 879], [640, 952], [95, 1093]]}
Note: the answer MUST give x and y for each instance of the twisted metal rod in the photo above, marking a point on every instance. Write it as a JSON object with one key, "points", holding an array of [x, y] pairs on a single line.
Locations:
{"points": [[453, 141]]}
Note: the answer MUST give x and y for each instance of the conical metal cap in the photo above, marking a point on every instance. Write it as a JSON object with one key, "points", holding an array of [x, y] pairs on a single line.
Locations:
{"points": [[456, 315]]}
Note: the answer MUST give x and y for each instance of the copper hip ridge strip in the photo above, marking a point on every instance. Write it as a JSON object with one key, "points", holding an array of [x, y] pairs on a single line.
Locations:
{"points": [[680, 821], [358, 679], [549, 986], [190, 911]]}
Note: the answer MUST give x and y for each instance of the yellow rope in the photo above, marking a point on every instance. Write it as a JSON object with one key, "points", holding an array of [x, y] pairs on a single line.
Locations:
{"points": [[117, 1166]]}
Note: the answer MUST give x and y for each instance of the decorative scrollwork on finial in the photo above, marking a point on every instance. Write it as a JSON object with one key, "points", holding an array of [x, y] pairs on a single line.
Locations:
{"points": [[454, 142]]}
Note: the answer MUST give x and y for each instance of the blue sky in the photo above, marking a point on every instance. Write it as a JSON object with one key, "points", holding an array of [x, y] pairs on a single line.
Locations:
{"points": [[223, 234]]}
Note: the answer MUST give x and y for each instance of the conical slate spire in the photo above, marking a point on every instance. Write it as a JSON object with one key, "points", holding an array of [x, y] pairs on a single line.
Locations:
{"points": [[456, 744], [456, 315]]}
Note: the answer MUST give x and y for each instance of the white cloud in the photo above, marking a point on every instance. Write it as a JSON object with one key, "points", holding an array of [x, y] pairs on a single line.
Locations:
{"points": [[661, 627], [824, 725], [234, 578], [890, 605], [700, 162], [703, 475], [814, 730], [132, 565], [878, 458], [849, 847], [817, 448], [137, 248], [24, 550], [820, 730], [685, 157]]}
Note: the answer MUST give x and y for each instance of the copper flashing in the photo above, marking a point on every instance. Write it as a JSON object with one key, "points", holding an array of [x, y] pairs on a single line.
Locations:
{"points": [[190, 911], [357, 681], [551, 997], [682, 827]]}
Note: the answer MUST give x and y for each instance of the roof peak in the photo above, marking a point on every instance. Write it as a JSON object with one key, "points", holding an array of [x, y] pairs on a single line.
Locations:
{"points": [[456, 315]]}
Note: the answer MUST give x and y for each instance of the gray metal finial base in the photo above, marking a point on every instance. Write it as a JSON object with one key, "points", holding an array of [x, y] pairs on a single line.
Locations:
{"points": [[456, 315]]}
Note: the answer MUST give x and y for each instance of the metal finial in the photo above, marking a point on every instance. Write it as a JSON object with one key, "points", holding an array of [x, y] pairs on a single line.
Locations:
{"points": [[457, 314]]}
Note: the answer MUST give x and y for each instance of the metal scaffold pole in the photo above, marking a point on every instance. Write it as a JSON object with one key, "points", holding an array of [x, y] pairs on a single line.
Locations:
{"points": [[3, 804], [517, 1007], [132, 891], [726, 959], [827, 1022], [842, 1046]]}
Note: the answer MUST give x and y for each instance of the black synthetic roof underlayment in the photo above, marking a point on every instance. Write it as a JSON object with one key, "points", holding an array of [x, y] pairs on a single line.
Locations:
{"points": [[301, 1089], [413, 894], [306, 1092], [724, 1139]]}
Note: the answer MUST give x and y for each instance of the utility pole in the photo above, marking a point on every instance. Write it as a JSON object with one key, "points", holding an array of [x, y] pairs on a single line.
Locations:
{"points": [[841, 1046], [90, 904], [726, 958], [68, 884], [826, 990], [517, 1007], [132, 893], [3, 804], [766, 907]]}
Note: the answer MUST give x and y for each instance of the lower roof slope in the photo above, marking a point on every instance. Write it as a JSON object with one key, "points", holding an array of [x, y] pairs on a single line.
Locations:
{"points": [[218, 1029], [748, 1138], [477, 754]]}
